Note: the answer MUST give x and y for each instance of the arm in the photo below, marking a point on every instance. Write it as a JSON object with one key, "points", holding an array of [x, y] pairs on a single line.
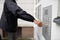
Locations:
{"points": [[25, 16], [17, 11]]}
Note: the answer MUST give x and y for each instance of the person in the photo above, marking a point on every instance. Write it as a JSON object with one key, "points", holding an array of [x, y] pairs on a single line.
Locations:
{"points": [[11, 12]]}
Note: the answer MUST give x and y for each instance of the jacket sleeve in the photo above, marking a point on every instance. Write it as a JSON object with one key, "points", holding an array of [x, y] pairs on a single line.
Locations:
{"points": [[25, 16]]}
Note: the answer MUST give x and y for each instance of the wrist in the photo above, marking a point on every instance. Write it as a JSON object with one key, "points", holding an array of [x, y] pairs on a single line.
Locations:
{"points": [[35, 21]]}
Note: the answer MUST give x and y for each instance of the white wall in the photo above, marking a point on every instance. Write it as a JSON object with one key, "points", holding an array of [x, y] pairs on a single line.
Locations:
{"points": [[55, 29], [1, 6]]}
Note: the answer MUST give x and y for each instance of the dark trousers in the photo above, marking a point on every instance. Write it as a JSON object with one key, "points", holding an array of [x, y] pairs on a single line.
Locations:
{"points": [[0, 37], [12, 36]]}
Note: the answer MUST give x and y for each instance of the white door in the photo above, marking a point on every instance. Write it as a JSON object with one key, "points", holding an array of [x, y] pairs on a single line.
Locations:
{"points": [[47, 17]]}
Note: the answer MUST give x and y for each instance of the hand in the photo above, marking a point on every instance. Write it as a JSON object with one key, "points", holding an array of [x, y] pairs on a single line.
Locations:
{"points": [[40, 24]]}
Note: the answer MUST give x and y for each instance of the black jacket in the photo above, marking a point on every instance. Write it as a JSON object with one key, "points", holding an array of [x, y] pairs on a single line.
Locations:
{"points": [[11, 12]]}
